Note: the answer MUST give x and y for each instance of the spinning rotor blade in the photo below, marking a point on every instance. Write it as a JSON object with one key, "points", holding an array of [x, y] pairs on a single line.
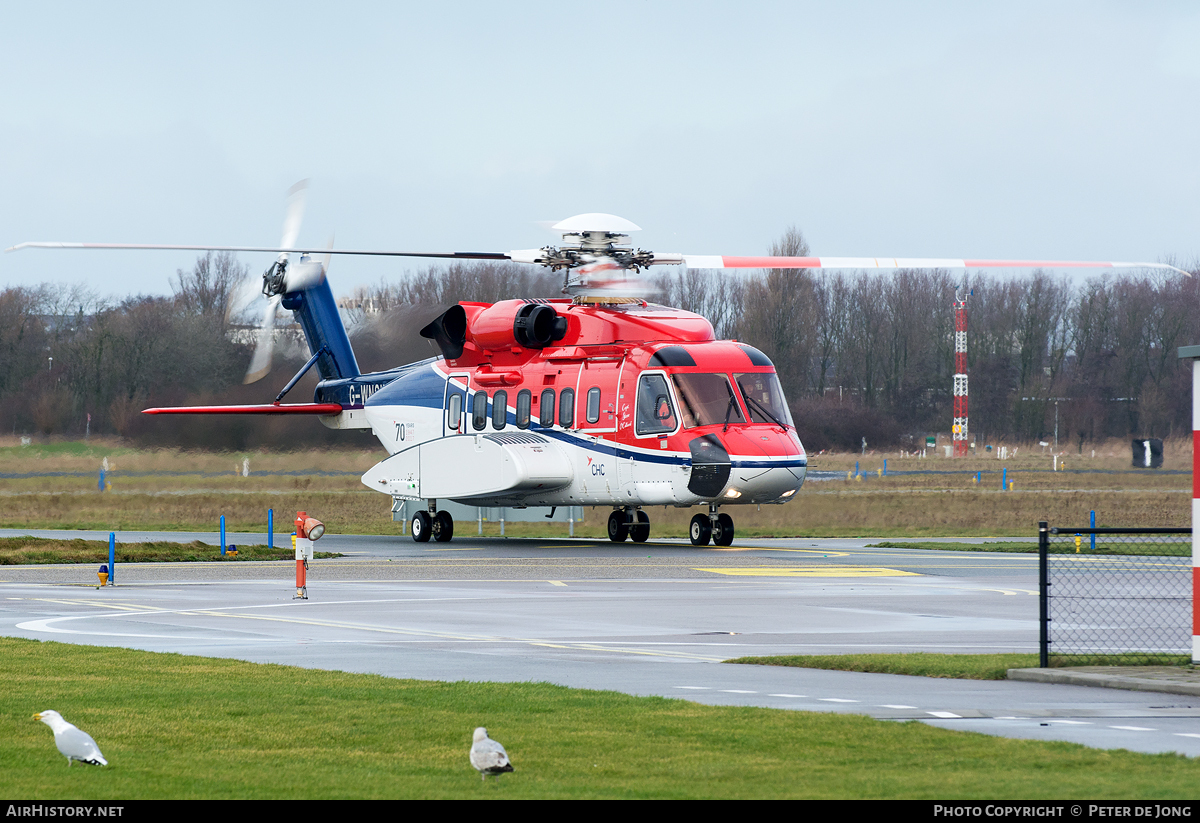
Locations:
{"points": [[700, 261], [296, 197], [260, 361], [454, 255]]}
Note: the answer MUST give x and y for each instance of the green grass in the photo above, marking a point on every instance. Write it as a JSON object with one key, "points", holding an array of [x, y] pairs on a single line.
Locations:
{"points": [[186, 727], [21, 551], [1138, 549], [966, 666], [962, 666]]}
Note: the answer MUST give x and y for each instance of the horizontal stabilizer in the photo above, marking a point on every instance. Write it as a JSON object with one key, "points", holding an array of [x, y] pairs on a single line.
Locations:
{"points": [[266, 408]]}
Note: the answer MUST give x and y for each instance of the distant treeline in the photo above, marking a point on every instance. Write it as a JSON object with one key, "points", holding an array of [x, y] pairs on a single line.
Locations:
{"points": [[860, 355]]}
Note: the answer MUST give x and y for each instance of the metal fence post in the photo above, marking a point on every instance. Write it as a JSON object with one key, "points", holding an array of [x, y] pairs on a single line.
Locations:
{"points": [[1043, 595]]}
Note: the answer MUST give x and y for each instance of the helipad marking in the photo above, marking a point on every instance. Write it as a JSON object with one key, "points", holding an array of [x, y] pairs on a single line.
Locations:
{"points": [[812, 571]]}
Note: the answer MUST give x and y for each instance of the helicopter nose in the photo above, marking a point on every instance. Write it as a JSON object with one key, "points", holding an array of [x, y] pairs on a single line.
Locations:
{"points": [[770, 466]]}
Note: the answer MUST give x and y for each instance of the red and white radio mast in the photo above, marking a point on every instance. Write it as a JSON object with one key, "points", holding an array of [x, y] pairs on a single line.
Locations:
{"points": [[960, 370]]}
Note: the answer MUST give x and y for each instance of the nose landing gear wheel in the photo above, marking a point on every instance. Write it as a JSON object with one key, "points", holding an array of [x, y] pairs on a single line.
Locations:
{"points": [[618, 529], [443, 527], [422, 526], [700, 530], [640, 532], [723, 531]]}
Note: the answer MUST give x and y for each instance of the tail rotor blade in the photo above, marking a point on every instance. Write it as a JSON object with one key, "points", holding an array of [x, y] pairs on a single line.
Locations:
{"points": [[294, 216], [260, 362]]}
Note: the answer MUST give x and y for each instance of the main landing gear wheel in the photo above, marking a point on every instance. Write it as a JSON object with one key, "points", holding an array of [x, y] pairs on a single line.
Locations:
{"points": [[722, 533], [700, 530], [639, 532], [422, 527], [443, 527], [618, 529]]}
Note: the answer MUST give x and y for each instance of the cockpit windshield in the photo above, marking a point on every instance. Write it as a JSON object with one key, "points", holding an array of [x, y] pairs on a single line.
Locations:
{"points": [[706, 400], [764, 398]]}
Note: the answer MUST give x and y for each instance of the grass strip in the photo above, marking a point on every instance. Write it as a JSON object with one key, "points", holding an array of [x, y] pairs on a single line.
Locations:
{"points": [[961, 666], [921, 664], [1136, 549], [180, 727], [24, 551]]}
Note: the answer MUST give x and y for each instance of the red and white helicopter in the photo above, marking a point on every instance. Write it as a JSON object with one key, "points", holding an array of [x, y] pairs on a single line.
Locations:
{"points": [[599, 398]]}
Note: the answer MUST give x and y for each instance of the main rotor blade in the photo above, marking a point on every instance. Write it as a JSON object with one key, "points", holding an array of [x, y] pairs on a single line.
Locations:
{"points": [[456, 255], [701, 261]]}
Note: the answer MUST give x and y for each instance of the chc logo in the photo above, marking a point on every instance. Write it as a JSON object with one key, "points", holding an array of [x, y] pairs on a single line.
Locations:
{"points": [[597, 468]]}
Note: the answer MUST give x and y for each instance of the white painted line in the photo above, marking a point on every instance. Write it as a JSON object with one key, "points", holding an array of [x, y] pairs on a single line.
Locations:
{"points": [[737, 691], [1186, 734], [944, 714], [1073, 722], [1133, 728], [837, 700], [698, 688], [895, 706], [787, 695]]}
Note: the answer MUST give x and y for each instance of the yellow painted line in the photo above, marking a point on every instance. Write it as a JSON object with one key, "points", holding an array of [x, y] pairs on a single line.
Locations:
{"points": [[814, 571]]}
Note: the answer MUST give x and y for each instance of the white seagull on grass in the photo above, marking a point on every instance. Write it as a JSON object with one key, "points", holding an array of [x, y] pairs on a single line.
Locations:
{"points": [[488, 756], [71, 741]]}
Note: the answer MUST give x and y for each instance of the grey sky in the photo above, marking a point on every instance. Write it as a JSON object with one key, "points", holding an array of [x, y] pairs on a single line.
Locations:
{"points": [[1047, 129]]}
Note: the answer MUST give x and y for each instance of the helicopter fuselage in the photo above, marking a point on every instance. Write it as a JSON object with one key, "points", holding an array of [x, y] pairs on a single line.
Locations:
{"points": [[574, 404]]}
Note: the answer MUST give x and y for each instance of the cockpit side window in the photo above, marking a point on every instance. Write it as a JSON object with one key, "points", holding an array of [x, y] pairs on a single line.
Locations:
{"points": [[764, 398], [655, 412]]}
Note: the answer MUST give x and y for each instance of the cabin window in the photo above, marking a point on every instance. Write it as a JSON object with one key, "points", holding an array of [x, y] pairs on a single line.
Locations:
{"points": [[546, 409], [499, 409], [479, 411], [655, 414], [593, 404], [454, 411], [566, 408], [524, 400]]}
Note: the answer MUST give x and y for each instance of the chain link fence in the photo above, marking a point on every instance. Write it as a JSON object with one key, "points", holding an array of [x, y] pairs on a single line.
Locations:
{"points": [[1115, 596]]}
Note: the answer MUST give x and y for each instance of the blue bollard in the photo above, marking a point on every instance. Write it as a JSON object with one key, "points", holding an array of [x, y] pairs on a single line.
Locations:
{"points": [[1004, 480], [102, 480], [885, 467], [112, 558], [222, 535], [1093, 526], [270, 528], [856, 468]]}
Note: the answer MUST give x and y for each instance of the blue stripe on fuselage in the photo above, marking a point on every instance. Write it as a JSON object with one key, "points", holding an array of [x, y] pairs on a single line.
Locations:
{"points": [[427, 388]]}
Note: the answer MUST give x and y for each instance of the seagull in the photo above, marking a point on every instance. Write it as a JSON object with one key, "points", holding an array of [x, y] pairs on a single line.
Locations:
{"points": [[488, 756], [71, 741]]}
